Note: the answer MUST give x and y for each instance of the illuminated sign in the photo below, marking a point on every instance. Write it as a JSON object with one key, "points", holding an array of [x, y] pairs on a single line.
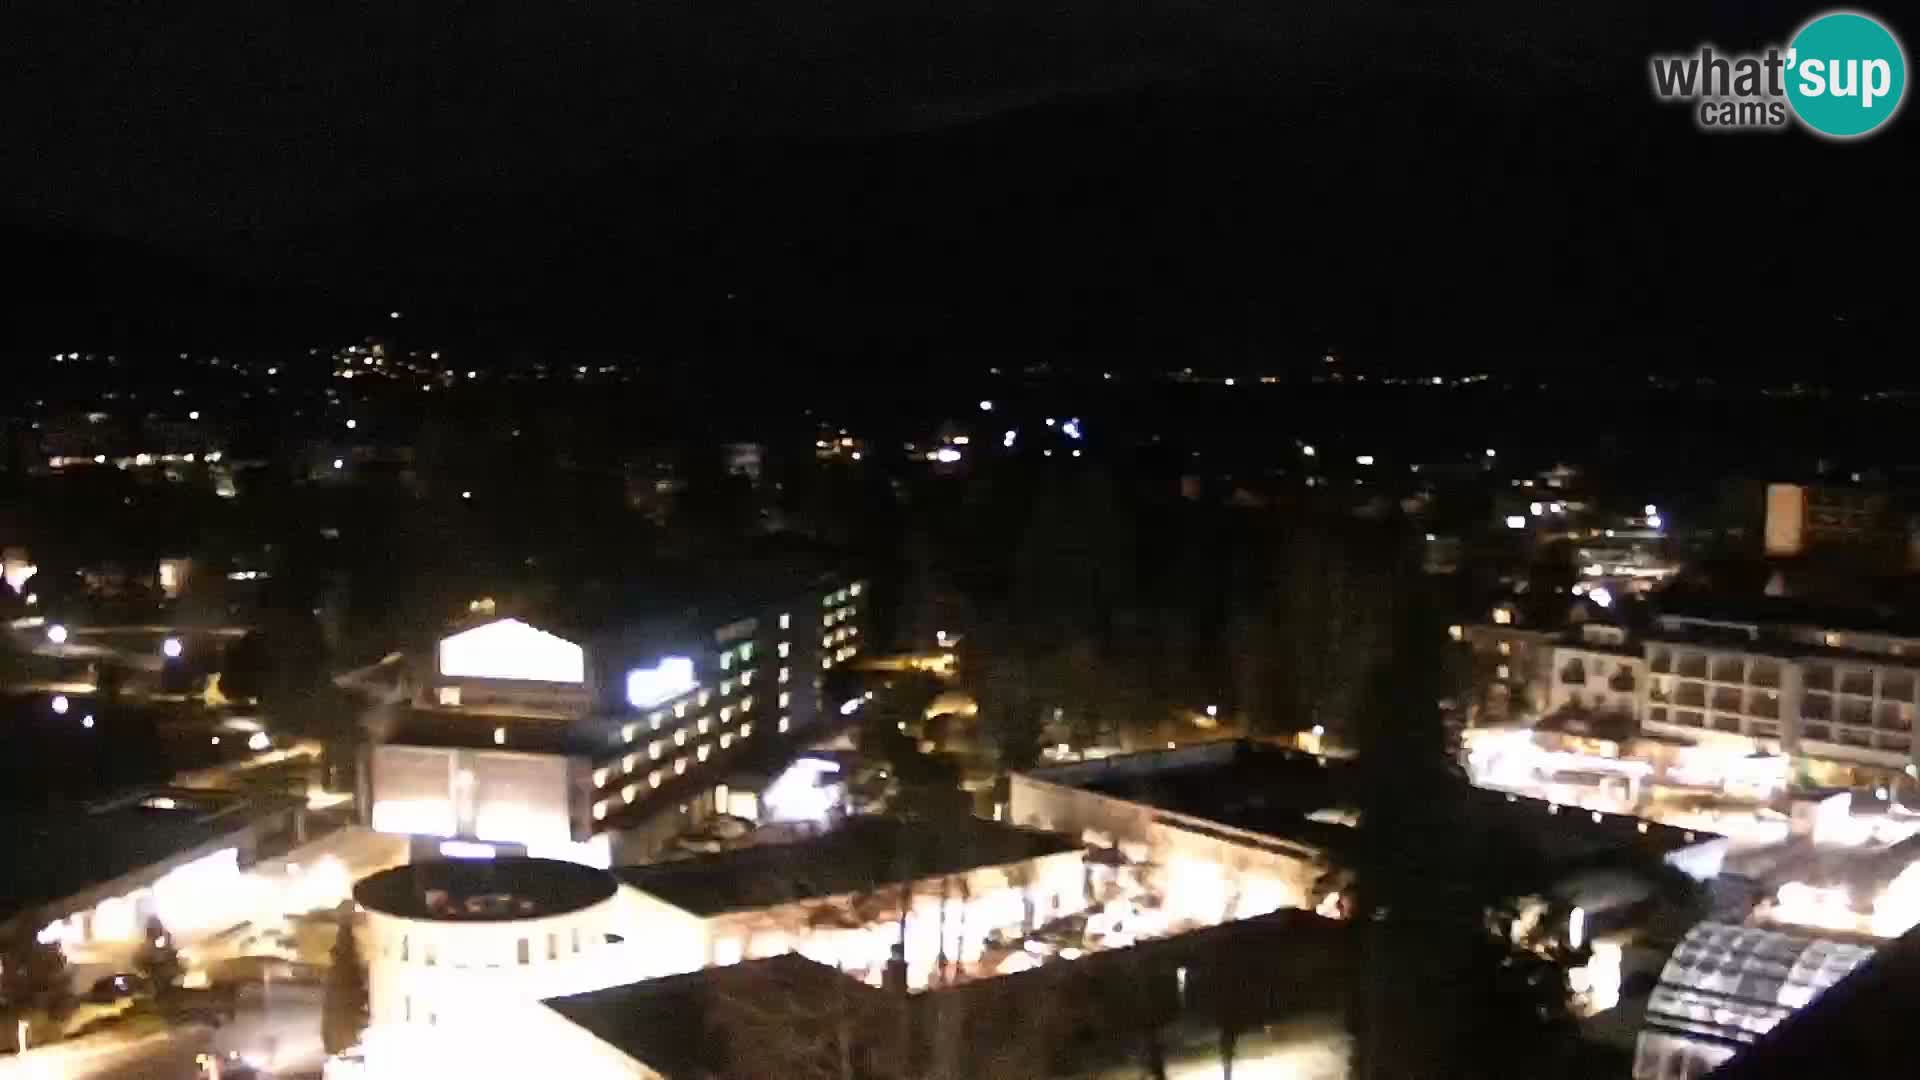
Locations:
{"points": [[664, 681], [510, 649]]}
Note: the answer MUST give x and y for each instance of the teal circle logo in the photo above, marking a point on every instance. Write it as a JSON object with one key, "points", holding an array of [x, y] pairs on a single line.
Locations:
{"points": [[1846, 74]]}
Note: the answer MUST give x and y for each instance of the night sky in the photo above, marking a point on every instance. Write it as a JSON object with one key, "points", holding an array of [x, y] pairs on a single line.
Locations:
{"points": [[869, 180]]}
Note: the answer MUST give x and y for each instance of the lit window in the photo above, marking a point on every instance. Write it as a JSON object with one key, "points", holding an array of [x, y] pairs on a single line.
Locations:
{"points": [[679, 766], [680, 737], [658, 719], [450, 695], [785, 648], [827, 619], [746, 678], [826, 662], [726, 687], [654, 778], [705, 696], [854, 588], [630, 761], [726, 740], [726, 714], [599, 811], [746, 730], [746, 704], [680, 709], [827, 600], [705, 723], [826, 642], [599, 778], [784, 672], [1506, 648], [629, 792], [626, 732], [784, 698], [746, 651], [1501, 672], [703, 751], [783, 723], [726, 661], [786, 620]]}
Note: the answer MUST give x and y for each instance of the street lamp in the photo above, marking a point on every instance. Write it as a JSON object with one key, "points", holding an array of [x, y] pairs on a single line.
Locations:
{"points": [[57, 634], [172, 648]]}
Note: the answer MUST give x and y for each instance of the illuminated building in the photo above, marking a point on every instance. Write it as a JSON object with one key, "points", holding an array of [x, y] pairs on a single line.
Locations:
{"points": [[1725, 987], [838, 898], [96, 874], [1840, 701], [1239, 828], [602, 743]]}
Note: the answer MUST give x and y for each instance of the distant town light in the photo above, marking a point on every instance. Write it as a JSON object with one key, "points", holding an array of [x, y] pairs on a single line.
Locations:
{"points": [[215, 741], [1213, 710], [1653, 521], [171, 648], [1516, 521], [1007, 439], [473, 374], [1319, 729], [1536, 508], [1229, 381], [1577, 928], [947, 455], [393, 314], [1363, 459], [194, 415], [339, 463], [986, 406], [1307, 450], [61, 704], [57, 634], [1076, 453], [466, 494], [1652, 510], [87, 721], [1071, 429], [1601, 597], [351, 424], [1490, 452], [259, 740], [499, 736]]}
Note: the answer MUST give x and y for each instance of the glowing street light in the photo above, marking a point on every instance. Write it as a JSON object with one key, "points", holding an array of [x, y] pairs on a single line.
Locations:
{"points": [[61, 704], [1213, 710], [259, 740], [57, 634], [351, 424], [986, 406], [172, 648]]}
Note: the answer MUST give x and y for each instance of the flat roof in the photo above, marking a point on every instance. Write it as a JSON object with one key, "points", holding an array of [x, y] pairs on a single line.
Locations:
{"points": [[51, 855], [1272, 790], [484, 890], [860, 854]]}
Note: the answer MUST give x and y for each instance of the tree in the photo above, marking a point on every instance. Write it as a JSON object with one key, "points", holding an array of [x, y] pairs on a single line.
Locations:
{"points": [[1443, 991], [35, 987], [158, 960], [345, 1009]]}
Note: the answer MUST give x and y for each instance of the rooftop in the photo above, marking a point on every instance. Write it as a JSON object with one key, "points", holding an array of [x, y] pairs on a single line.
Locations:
{"points": [[1273, 791], [484, 890], [863, 853], [51, 855]]}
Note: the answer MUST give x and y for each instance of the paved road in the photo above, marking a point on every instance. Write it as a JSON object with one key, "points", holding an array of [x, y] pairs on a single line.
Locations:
{"points": [[280, 1027]]}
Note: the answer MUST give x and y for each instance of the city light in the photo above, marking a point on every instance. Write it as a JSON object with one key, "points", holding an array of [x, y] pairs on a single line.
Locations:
{"points": [[1213, 710], [1653, 521], [1577, 928], [171, 648], [1536, 509], [1007, 439], [1308, 450], [947, 455], [87, 721], [1071, 429], [1363, 459], [57, 634], [1490, 452], [986, 406], [1652, 510], [1516, 521], [339, 463], [1602, 597], [351, 424], [61, 704], [259, 741]]}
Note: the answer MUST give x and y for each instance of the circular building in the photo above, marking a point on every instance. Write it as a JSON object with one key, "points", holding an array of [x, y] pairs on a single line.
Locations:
{"points": [[456, 940]]}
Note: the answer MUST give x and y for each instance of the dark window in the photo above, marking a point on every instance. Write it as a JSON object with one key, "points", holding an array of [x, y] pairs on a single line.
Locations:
{"points": [[1857, 681], [1689, 718], [553, 946], [1763, 703], [1657, 716], [1729, 669], [1856, 711], [524, 953], [1726, 699], [1899, 744], [1765, 673], [1766, 729], [1819, 677], [1816, 707], [1693, 665], [1691, 693], [1892, 716], [1897, 685], [1661, 663]]}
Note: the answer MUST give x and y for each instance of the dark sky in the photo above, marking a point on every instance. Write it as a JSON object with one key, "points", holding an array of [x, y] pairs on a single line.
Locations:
{"points": [[1079, 175]]}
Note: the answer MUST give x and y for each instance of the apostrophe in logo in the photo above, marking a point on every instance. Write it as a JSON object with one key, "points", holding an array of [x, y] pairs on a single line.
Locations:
{"points": [[1846, 74]]}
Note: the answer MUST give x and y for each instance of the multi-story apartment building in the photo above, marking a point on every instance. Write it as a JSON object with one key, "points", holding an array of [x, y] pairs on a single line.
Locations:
{"points": [[1841, 702], [593, 744]]}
